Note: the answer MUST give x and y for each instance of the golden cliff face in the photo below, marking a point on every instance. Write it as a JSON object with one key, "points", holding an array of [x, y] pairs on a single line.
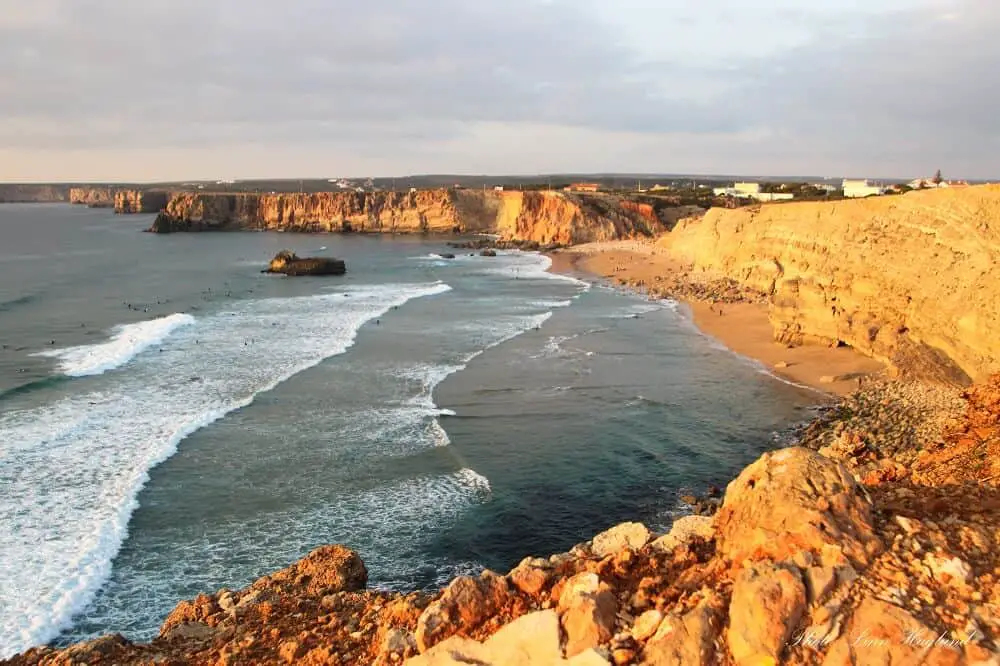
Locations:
{"points": [[419, 211], [95, 197], [546, 217], [911, 280], [140, 201], [555, 217]]}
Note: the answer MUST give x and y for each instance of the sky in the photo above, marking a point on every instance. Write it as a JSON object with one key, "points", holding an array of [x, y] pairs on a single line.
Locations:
{"points": [[121, 90]]}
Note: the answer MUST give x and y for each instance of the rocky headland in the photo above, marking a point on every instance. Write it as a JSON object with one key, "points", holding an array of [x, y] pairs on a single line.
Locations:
{"points": [[543, 217], [94, 197], [140, 201], [33, 193]]}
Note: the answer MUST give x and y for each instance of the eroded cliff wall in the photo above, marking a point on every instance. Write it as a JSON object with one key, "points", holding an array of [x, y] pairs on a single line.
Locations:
{"points": [[32, 193], [95, 197], [557, 217], [140, 201], [910, 280], [546, 217]]}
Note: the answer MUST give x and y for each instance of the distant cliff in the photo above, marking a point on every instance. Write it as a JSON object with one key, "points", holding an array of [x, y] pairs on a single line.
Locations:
{"points": [[140, 201], [95, 197], [910, 280], [545, 217], [34, 193]]}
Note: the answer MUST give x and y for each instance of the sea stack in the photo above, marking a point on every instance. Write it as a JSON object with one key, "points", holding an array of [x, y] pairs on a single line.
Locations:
{"points": [[288, 263]]}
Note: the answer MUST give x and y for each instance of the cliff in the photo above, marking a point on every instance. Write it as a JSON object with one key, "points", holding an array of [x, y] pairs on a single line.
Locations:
{"points": [[910, 280], [95, 197], [140, 201], [546, 217], [33, 193]]}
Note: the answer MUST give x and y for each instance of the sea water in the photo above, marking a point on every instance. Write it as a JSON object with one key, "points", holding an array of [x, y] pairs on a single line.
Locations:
{"points": [[173, 421]]}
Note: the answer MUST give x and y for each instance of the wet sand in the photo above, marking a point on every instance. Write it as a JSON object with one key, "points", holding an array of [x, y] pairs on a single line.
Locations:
{"points": [[742, 327]]}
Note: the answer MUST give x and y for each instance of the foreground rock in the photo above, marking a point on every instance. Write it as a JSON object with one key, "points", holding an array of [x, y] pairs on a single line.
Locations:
{"points": [[288, 263], [803, 564]]}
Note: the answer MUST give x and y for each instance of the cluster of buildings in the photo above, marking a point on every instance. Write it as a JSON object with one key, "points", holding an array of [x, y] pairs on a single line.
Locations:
{"points": [[751, 191]]}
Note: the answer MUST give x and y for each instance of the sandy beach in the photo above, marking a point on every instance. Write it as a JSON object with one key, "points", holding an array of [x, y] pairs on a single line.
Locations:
{"points": [[742, 327]]}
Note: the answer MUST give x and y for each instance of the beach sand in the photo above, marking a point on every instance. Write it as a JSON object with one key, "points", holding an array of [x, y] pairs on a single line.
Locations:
{"points": [[742, 327]]}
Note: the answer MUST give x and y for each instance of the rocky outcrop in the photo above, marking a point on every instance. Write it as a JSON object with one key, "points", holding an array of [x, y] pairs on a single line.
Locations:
{"points": [[792, 501], [289, 263], [140, 201], [94, 197], [32, 193], [911, 280], [542, 217], [557, 217]]}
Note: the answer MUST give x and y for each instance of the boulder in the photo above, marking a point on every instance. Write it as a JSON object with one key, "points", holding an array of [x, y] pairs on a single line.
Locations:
{"points": [[447, 255], [620, 537], [464, 605], [684, 530], [767, 605], [530, 640], [795, 500], [587, 607], [880, 633], [288, 263], [686, 640], [531, 575], [488, 253], [326, 570]]}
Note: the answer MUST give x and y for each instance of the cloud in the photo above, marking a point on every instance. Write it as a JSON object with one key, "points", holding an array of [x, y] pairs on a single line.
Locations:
{"points": [[400, 85], [913, 86], [86, 72]]}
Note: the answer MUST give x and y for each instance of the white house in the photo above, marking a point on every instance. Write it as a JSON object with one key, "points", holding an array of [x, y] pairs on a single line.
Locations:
{"points": [[751, 191], [855, 189]]}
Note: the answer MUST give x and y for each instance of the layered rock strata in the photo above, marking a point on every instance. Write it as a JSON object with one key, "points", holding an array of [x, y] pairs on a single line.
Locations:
{"points": [[911, 280], [140, 201], [95, 197], [543, 217]]}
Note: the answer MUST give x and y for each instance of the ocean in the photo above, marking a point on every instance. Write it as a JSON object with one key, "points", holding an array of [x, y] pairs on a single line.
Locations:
{"points": [[173, 421]]}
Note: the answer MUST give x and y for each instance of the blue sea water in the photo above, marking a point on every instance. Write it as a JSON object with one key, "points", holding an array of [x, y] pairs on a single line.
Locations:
{"points": [[173, 421]]}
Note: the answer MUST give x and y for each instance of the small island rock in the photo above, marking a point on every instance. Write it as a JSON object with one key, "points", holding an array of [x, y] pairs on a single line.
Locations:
{"points": [[288, 263]]}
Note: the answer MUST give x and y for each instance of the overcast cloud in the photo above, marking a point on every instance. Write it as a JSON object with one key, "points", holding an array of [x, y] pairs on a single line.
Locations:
{"points": [[125, 90]]}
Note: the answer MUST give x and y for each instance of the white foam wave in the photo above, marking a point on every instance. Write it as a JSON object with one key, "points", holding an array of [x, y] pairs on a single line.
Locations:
{"points": [[426, 377], [129, 341], [548, 305], [70, 471], [531, 266], [474, 481], [397, 519], [438, 434]]}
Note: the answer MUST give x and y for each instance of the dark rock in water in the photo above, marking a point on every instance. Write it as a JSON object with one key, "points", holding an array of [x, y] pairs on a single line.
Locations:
{"points": [[447, 255], [289, 263], [488, 253]]}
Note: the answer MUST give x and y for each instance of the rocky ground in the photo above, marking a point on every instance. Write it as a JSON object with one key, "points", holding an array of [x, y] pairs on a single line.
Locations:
{"points": [[687, 286], [883, 550]]}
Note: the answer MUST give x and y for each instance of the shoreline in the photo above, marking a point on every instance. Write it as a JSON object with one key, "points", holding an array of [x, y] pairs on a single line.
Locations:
{"points": [[742, 327]]}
